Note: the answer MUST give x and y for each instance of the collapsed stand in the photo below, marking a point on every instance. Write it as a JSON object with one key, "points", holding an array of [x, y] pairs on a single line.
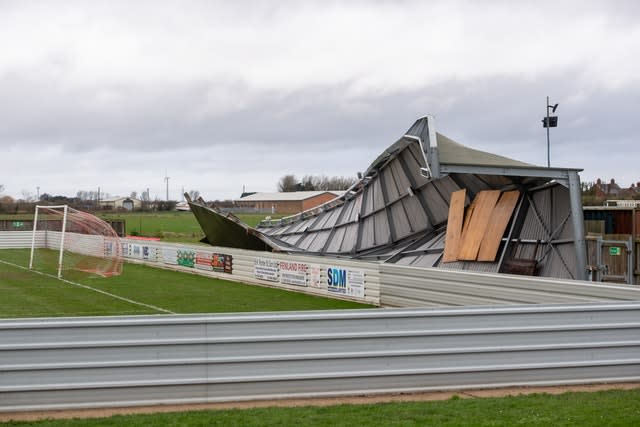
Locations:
{"points": [[68, 239]]}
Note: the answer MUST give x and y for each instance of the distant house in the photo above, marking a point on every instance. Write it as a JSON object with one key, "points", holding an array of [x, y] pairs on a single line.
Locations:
{"points": [[634, 190], [126, 203], [607, 190], [286, 202]]}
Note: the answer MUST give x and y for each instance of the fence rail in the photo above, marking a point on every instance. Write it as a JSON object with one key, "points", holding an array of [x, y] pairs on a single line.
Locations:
{"points": [[20, 239], [151, 360], [420, 287]]}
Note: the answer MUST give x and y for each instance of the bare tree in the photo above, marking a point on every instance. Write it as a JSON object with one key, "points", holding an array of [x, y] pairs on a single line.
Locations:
{"points": [[338, 183], [315, 183], [28, 196], [133, 195], [309, 183], [1, 188], [288, 183]]}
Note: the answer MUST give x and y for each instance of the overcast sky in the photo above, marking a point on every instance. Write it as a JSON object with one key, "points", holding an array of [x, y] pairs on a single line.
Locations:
{"points": [[222, 95]]}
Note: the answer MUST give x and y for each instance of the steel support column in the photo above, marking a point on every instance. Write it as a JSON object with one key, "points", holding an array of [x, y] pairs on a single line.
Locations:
{"points": [[575, 194]]}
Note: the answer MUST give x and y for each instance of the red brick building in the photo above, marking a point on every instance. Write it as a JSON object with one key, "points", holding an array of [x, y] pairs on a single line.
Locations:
{"points": [[288, 202], [614, 191]]}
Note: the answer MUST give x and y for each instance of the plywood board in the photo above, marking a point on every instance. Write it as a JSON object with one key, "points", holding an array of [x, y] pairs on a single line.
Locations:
{"points": [[454, 226], [469, 214], [477, 225], [495, 230]]}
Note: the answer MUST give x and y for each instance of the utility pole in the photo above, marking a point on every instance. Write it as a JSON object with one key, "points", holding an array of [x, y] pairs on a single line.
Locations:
{"points": [[166, 179], [548, 139]]}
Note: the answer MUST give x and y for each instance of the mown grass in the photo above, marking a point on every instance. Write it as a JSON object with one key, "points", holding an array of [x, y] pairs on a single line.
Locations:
{"points": [[172, 226], [168, 226], [26, 294], [598, 409]]}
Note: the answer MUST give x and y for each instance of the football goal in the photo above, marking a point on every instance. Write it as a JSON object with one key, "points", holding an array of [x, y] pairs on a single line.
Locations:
{"points": [[68, 239]]}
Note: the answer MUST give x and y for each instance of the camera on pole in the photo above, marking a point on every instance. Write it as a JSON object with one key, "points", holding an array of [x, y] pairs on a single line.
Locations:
{"points": [[550, 122]]}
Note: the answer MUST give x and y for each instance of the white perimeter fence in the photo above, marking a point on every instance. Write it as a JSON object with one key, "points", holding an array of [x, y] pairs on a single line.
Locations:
{"points": [[151, 360], [368, 282]]}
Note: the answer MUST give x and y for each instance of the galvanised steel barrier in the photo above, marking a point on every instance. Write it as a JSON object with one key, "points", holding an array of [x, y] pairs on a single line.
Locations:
{"points": [[59, 363], [403, 286]]}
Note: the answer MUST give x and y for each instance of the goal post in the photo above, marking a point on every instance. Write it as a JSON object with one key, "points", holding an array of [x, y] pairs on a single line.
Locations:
{"points": [[35, 229], [64, 239]]}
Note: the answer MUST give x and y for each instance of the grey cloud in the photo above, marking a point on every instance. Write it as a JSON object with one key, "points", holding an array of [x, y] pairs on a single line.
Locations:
{"points": [[133, 117]]}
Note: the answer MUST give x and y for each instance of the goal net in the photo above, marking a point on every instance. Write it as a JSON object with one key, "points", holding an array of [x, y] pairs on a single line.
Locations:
{"points": [[65, 239]]}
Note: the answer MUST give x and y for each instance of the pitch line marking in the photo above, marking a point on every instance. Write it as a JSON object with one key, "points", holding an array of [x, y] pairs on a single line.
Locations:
{"points": [[153, 307]]}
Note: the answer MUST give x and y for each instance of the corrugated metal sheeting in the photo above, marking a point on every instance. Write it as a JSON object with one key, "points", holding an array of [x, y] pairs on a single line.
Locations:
{"points": [[152, 360], [20, 239], [401, 286], [79, 243], [397, 213], [417, 287], [85, 244], [244, 268]]}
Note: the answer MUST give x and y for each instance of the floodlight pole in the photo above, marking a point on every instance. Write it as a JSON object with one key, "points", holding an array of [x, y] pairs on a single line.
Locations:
{"points": [[548, 141]]}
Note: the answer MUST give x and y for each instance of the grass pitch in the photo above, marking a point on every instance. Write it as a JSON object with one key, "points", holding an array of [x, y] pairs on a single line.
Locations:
{"points": [[172, 226], [168, 226], [603, 408], [138, 290]]}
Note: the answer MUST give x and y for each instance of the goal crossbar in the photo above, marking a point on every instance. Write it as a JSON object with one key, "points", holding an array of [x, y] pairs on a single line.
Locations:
{"points": [[105, 245]]}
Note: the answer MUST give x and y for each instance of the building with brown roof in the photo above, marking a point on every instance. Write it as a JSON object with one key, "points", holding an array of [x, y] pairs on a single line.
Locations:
{"points": [[286, 202]]}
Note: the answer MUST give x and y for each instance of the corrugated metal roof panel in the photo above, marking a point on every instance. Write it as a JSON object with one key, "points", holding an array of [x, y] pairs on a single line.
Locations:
{"points": [[390, 184], [446, 185], [425, 260], [350, 238], [415, 214], [336, 241], [318, 243], [332, 217], [401, 181], [415, 160], [320, 222], [472, 184], [306, 241], [367, 199], [401, 221], [407, 260], [368, 235], [479, 267], [438, 207], [290, 239], [452, 152], [299, 226], [381, 225], [353, 209], [378, 201]]}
